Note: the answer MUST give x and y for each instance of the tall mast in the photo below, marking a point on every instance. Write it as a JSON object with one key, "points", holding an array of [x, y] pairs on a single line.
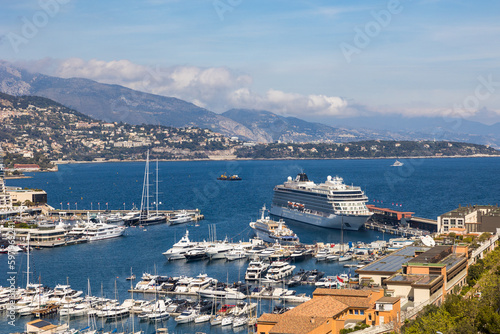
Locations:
{"points": [[147, 185], [157, 187], [28, 262], [145, 192]]}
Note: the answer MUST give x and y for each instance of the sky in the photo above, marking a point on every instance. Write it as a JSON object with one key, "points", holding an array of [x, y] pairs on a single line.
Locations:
{"points": [[311, 59]]}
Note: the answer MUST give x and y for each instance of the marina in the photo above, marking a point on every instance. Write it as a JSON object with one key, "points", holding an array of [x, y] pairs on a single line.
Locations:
{"points": [[106, 264]]}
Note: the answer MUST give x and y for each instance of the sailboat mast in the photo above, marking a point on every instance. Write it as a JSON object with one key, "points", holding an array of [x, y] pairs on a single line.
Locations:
{"points": [[157, 187], [144, 198], [28, 262], [147, 185]]}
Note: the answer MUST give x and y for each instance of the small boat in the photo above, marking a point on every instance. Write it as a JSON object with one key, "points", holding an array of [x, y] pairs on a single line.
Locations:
{"points": [[216, 320], [202, 318], [240, 321], [186, 316], [180, 218], [397, 163], [345, 257], [224, 177], [130, 278], [227, 321]]}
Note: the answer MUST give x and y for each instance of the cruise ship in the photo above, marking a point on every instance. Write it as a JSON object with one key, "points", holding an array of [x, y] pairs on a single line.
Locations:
{"points": [[331, 204]]}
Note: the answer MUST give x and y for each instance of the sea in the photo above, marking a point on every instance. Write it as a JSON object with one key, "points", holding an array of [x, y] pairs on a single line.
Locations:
{"points": [[427, 187]]}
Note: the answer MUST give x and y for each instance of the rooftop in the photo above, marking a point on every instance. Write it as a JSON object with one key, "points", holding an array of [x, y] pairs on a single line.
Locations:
{"points": [[393, 262], [307, 316], [433, 255], [342, 292], [414, 279], [388, 300]]}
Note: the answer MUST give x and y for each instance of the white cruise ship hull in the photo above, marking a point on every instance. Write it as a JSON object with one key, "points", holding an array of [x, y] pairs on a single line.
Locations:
{"points": [[351, 222]]}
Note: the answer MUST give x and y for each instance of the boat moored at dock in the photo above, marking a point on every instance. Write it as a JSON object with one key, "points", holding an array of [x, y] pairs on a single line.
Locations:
{"points": [[272, 231]]}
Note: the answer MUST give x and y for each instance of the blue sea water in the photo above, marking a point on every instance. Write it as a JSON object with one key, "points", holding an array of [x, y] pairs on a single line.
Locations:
{"points": [[428, 187]]}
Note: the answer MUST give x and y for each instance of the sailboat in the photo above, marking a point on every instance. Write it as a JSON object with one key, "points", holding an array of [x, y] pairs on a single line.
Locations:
{"points": [[147, 217]]}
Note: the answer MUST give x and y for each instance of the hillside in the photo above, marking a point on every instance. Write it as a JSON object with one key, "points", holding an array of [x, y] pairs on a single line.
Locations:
{"points": [[273, 127], [114, 103], [365, 149], [31, 127]]}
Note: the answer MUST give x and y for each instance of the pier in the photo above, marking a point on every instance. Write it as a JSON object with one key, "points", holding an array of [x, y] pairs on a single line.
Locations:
{"points": [[195, 213], [402, 231]]}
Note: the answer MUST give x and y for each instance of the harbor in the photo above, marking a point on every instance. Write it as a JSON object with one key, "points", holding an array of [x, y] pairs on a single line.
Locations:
{"points": [[105, 264]]}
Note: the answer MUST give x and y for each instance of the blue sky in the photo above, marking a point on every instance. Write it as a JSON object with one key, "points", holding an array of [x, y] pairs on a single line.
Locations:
{"points": [[427, 57]]}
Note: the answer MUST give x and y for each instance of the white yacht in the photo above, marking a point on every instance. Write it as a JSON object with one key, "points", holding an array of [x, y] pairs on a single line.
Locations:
{"points": [[255, 270], [101, 231], [219, 250], [331, 204], [279, 270], [181, 218], [180, 248], [221, 294], [187, 316], [272, 231]]}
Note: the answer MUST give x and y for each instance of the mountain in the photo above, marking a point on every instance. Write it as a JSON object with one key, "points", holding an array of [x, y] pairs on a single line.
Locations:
{"points": [[273, 127], [114, 103], [427, 128]]}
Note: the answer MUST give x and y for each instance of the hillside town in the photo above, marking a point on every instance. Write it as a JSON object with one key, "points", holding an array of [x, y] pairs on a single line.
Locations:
{"points": [[41, 132]]}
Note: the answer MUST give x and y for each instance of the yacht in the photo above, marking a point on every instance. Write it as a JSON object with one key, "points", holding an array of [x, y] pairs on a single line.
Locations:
{"points": [[255, 270], [221, 294], [279, 270], [331, 204], [187, 316], [236, 254], [397, 163], [272, 231], [180, 248], [181, 218], [219, 250], [101, 231]]}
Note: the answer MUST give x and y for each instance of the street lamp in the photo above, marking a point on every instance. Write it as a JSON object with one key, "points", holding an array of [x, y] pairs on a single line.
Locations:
{"points": [[99, 206], [76, 206]]}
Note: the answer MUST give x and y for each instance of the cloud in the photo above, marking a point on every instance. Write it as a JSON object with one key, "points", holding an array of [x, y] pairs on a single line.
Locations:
{"points": [[214, 88]]}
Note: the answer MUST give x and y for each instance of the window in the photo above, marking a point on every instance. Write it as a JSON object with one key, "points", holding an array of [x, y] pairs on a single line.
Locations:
{"points": [[350, 311], [362, 312], [356, 312]]}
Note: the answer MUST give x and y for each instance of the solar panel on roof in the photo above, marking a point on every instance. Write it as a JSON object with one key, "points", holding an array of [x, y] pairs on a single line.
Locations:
{"points": [[41, 324], [393, 262]]}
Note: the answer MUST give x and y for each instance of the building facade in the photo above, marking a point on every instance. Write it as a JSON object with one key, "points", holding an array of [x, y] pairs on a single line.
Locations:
{"points": [[470, 219]]}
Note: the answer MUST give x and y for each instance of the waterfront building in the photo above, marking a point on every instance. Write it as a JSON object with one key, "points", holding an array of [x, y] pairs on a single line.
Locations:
{"points": [[38, 237], [27, 167], [470, 219], [42, 326], [376, 272], [331, 310], [20, 195], [5, 199]]}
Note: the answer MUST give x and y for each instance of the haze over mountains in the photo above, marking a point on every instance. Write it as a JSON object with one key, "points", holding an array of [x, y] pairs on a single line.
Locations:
{"points": [[117, 103]]}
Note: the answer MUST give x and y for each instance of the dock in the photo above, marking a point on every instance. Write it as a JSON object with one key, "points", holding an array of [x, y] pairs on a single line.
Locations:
{"points": [[195, 213], [58, 243], [402, 231]]}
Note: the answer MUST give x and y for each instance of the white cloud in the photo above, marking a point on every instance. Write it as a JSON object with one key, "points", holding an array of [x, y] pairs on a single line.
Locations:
{"points": [[215, 88]]}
